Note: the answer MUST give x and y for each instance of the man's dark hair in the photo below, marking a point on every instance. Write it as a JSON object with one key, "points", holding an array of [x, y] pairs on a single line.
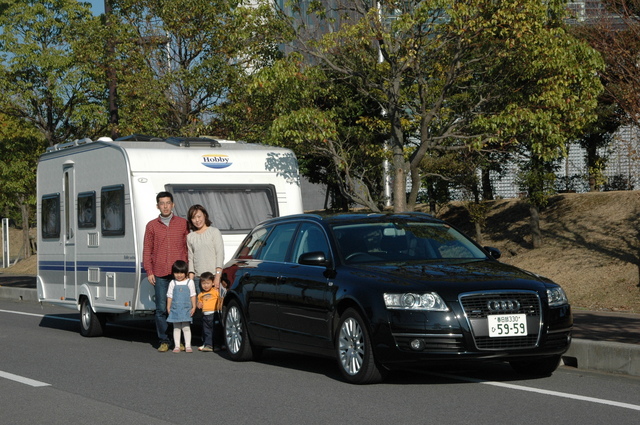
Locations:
{"points": [[164, 195]]}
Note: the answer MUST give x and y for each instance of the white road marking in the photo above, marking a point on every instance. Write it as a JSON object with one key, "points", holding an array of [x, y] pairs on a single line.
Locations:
{"points": [[540, 391], [39, 315], [23, 380], [34, 383]]}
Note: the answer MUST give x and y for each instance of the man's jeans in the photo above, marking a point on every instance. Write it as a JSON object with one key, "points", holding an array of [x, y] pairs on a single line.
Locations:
{"points": [[161, 287]]}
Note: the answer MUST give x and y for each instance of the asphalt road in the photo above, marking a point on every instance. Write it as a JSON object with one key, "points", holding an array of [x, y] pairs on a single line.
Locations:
{"points": [[50, 374]]}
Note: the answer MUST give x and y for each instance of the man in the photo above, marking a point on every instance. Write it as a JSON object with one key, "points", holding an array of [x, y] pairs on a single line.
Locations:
{"points": [[165, 242]]}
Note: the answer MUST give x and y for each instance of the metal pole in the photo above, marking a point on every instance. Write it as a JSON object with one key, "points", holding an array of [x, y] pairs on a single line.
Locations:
{"points": [[5, 243]]}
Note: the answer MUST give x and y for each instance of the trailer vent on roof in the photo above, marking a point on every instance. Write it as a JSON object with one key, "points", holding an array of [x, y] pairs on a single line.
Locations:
{"points": [[60, 146], [193, 141]]}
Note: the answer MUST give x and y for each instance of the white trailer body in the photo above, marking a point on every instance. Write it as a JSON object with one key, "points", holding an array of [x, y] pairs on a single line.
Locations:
{"points": [[96, 197]]}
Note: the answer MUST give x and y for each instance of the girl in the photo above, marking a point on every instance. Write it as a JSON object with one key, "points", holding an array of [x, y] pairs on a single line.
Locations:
{"points": [[181, 304]]}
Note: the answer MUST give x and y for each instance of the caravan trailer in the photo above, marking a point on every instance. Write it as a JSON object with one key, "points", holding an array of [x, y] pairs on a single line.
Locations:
{"points": [[96, 197]]}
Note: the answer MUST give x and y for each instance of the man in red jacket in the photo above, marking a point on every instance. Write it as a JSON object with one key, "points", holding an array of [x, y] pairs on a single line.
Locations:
{"points": [[165, 241]]}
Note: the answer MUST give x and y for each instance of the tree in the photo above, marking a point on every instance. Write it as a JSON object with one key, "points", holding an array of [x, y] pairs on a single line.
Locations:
{"points": [[175, 60], [597, 137], [20, 146], [454, 76], [41, 79], [330, 127], [615, 33]]}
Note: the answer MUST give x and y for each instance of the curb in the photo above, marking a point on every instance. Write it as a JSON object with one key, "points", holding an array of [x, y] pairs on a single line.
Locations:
{"points": [[18, 294], [604, 356], [613, 357]]}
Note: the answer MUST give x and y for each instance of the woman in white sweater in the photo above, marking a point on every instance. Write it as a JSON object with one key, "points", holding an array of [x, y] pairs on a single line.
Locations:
{"points": [[204, 245]]}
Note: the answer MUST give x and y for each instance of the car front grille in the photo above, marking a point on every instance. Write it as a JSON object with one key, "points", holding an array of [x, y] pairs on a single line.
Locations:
{"points": [[477, 306]]}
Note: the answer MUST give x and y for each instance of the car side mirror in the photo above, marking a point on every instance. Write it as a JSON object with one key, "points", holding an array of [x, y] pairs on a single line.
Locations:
{"points": [[315, 258], [493, 252]]}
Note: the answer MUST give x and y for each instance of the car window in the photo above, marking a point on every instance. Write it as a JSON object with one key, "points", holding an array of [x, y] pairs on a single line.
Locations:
{"points": [[277, 242], [403, 241], [252, 245], [311, 238]]}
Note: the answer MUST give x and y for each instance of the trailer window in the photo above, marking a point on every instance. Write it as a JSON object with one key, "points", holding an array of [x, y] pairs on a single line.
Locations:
{"points": [[112, 209], [232, 209], [87, 210], [50, 216]]}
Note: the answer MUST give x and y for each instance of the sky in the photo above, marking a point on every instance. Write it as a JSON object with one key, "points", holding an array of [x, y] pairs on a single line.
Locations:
{"points": [[96, 5]]}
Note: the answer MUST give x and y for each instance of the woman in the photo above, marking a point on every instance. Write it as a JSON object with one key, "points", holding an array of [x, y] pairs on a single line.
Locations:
{"points": [[204, 245]]}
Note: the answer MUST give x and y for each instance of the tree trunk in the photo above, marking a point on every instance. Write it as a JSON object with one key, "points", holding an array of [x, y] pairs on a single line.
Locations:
{"points": [[399, 163], [487, 189], [416, 181], [479, 237], [26, 242], [534, 222], [399, 180]]}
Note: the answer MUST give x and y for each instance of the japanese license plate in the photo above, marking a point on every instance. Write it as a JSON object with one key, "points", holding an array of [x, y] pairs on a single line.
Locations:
{"points": [[501, 325]]}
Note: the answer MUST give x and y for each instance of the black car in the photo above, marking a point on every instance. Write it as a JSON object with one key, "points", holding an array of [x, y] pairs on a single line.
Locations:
{"points": [[383, 291]]}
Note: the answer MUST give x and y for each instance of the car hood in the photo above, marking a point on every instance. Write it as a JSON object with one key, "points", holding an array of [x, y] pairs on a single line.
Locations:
{"points": [[453, 276]]}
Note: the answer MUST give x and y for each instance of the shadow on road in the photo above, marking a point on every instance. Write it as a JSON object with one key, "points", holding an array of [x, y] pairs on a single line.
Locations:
{"points": [[142, 330]]}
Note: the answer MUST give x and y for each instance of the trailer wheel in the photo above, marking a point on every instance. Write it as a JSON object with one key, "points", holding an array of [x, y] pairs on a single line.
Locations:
{"points": [[91, 324]]}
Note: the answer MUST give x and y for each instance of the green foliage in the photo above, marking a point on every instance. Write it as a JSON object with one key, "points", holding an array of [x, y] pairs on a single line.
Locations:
{"points": [[454, 76], [333, 130], [20, 146], [41, 78], [537, 179], [177, 59], [477, 212]]}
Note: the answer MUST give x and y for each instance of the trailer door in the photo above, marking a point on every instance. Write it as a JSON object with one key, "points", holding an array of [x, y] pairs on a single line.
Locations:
{"points": [[69, 214]]}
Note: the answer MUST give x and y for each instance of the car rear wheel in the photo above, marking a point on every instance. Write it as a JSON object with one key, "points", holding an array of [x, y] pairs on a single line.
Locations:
{"points": [[355, 354], [236, 335], [542, 367]]}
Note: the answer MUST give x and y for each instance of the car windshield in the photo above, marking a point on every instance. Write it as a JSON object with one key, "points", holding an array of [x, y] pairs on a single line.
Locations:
{"points": [[403, 241]]}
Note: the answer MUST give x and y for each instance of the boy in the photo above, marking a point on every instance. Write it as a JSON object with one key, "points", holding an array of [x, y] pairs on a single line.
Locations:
{"points": [[209, 301]]}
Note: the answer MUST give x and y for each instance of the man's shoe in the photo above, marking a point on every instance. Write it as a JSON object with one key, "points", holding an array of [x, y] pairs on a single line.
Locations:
{"points": [[207, 348], [164, 347]]}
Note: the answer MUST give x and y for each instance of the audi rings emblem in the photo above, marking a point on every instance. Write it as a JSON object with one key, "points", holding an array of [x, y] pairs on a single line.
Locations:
{"points": [[503, 306]]}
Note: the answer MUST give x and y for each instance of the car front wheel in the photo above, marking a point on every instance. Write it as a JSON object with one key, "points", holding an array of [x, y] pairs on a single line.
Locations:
{"points": [[236, 335], [354, 350]]}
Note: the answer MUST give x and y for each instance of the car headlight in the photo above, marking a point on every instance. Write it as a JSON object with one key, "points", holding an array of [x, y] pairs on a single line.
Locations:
{"points": [[408, 301], [557, 297]]}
